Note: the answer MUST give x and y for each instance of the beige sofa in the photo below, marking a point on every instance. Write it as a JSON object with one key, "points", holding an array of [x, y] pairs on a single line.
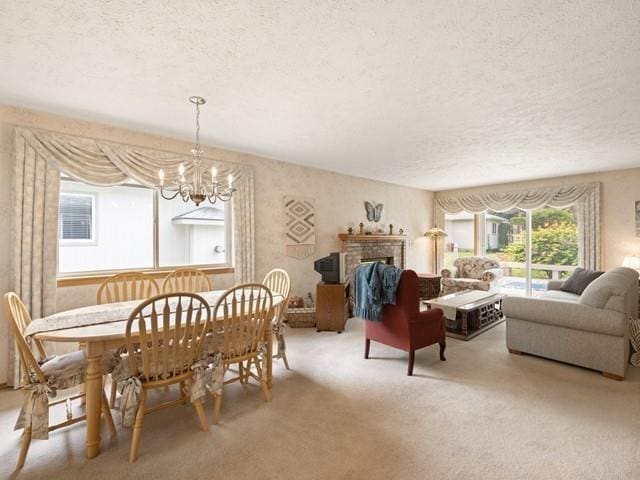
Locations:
{"points": [[471, 273], [591, 330]]}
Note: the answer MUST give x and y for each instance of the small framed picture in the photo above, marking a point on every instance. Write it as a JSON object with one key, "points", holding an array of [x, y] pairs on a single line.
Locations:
{"points": [[637, 218]]}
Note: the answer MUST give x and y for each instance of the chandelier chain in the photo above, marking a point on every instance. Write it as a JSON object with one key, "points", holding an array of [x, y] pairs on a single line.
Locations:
{"points": [[197, 129]]}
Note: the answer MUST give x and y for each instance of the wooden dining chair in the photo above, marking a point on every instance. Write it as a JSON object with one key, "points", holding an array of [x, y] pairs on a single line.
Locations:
{"points": [[187, 280], [123, 287], [277, 280], [126, 286], [43, 376], [166, 333], [241, 314]]}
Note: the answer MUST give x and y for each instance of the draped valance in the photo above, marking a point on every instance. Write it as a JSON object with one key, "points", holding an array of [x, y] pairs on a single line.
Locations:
{"points": [[104, 163], [559, 197]]}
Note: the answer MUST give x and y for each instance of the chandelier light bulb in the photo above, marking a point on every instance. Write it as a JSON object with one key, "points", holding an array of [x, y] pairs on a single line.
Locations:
{"points": [[214, 173], [230, 178], [181, 169], [161, 175]]}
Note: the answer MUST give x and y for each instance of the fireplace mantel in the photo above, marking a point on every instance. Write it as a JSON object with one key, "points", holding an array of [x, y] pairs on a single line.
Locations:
{"points": [[363, 247], [345, 237]]}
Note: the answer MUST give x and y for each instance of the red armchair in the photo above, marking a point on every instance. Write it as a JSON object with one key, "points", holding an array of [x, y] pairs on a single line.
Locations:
{"points": [[404, 326]]}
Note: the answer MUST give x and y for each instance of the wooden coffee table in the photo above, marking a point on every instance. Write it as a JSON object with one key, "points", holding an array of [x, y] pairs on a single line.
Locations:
{"points": [[468, 315]]}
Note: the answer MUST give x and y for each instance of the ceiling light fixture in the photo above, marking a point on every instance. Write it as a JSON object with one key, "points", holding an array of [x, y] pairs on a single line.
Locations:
{"points": [[198, 189]]}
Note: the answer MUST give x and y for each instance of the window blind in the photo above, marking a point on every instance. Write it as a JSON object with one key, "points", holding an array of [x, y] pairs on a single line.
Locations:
{"points": [[76, 217]]}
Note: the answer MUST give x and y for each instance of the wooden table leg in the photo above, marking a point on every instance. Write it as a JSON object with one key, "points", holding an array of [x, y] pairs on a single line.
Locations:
{"points": [[93, 389], [83, 400]]}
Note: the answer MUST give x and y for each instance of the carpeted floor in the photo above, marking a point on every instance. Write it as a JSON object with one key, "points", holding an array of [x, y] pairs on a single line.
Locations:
{"points": [[482, 414]]}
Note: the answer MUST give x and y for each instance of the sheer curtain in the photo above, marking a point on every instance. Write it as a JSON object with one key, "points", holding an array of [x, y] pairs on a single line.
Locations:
{"points": [[585, 197], [39, 158]]}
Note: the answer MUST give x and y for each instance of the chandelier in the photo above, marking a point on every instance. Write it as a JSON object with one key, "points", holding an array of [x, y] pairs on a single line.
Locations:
{"points": [[198, 189]]}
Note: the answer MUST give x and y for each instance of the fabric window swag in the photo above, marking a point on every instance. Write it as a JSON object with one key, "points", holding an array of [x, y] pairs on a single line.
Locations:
{"points": [[585, 197], [41, 156]]}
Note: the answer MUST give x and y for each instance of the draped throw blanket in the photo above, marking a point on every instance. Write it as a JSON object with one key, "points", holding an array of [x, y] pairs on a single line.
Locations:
{"points": [[375, 285], [585, 197], [39, 158]]}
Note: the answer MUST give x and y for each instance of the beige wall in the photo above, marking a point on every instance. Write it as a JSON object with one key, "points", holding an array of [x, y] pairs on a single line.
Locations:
{"points": [[620, 189], [339, 203]]}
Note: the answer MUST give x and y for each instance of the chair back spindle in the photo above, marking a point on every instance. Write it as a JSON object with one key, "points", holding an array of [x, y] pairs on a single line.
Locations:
{"points": [[19, 318], [127, 286], [278, 281], [242, 314], [187, 280], [167, 333]]}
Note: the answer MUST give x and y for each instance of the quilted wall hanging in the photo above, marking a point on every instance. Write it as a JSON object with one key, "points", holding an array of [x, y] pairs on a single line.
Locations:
{"points": [[300, 228]]}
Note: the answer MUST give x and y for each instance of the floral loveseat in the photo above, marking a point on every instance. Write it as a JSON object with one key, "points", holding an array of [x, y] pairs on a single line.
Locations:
{"points": [[471, 273]]}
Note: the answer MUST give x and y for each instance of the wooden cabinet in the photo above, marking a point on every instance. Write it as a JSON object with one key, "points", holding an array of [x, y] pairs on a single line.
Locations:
{"points": [[332, 306]]}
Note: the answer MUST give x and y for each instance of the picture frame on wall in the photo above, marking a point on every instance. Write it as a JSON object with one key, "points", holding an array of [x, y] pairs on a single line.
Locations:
{"points": [[637, 218]]}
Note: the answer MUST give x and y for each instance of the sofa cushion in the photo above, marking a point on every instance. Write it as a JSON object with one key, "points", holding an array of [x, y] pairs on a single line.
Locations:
{"points": [[565, 314], [579, 280], [614, 283], [561, 296]]}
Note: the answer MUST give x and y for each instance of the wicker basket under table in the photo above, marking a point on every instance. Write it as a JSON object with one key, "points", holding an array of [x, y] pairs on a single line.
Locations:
{"points": [[301, 317]]}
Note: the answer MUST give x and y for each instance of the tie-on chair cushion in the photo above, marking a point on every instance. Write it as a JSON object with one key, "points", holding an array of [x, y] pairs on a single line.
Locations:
{"points": [[207, 374], [66, 370], [61, 372]]}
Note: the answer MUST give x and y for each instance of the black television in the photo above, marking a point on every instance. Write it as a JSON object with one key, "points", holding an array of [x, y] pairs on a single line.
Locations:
{"points": [[332, 268]]}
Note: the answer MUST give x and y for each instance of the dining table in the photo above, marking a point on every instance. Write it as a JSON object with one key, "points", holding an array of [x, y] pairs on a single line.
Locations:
{"points": [[101, 328]]}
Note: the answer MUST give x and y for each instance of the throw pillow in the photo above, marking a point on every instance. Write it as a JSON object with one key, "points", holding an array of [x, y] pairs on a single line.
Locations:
{"points": [[634, 334], [579, 280]]}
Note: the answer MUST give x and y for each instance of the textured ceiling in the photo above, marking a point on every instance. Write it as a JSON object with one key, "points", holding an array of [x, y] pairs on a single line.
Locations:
{"points": [[437, 94]]}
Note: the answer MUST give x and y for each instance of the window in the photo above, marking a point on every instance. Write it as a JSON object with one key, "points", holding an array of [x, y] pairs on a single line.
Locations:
{"points": [[135, 228], [554, 245], [190, 235], [77, 217], [507, 248], [551, 254], [532, 247], [460, 239]]}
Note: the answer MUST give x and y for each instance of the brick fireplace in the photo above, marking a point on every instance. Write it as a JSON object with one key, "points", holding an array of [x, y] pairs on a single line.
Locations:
{"points": [[391, 249]]}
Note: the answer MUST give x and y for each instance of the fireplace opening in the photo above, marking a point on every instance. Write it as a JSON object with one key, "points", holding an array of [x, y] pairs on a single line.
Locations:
{"points": [[387, 260]]}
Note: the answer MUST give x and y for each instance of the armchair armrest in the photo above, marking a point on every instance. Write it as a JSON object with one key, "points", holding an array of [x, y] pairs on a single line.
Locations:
{"points": [[554, 284], [449, 273], [565, 314], [492, 274], [427, 315]]}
